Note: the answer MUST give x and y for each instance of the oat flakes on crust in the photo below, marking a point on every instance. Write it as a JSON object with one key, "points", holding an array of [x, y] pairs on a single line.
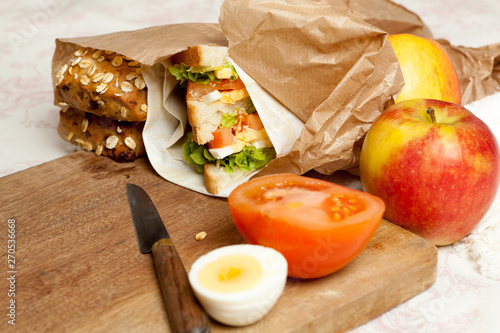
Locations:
{"points": [[103, 83], [120, 141]]}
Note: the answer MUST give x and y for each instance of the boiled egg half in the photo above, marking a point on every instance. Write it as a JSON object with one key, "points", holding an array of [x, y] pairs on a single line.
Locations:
{"points": [[239, 284]]}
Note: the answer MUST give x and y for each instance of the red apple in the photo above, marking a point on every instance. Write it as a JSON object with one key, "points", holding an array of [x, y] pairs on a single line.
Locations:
{"points": [[434, 164], [427, 69]]}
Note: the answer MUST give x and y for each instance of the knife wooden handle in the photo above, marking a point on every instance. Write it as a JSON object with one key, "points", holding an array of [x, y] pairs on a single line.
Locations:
{"points": [[183, 310]]}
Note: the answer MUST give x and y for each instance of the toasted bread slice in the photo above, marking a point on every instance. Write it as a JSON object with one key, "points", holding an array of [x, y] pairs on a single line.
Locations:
{"points": [[202, 56], [217, 179]]}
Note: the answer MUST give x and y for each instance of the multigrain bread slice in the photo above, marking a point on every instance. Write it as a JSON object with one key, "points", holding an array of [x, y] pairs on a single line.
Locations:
{"points": [[216, 178], [120, 141], [103, 83]]}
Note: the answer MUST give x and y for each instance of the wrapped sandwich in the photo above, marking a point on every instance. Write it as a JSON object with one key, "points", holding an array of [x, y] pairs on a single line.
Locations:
{"points": [[103, 100], [227, 140], [273, 55]]}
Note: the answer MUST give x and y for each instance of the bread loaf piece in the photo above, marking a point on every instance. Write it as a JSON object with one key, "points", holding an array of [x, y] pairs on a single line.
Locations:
{"points": [[103, 83], [120, 141]]}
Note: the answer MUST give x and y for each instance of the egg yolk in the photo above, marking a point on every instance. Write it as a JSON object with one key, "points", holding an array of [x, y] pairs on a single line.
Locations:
{"points": [[250, 135], [231, 273], [232, 96]]}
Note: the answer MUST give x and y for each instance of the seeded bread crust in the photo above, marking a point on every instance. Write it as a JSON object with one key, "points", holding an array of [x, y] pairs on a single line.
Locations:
{"points": [[120, 141], [103, 83], [202, 56]]}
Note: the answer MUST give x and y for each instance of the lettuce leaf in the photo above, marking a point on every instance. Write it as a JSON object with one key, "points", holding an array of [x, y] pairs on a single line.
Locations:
{"points": [[195, 154], [250, 107], [183, 74], [250, 158], [229, 119]]}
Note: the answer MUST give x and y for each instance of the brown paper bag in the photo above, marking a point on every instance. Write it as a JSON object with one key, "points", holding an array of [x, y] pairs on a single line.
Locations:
{"points": [[333, 70], [166, 121], [477, 68], [286, 32]]}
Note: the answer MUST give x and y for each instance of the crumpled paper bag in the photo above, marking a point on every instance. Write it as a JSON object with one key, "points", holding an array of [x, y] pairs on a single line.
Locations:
{"points": [[330, 68], [477, 68], [336, 118]]}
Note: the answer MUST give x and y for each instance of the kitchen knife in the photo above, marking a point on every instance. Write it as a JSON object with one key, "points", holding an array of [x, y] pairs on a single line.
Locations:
{"points": [[183, 311]]}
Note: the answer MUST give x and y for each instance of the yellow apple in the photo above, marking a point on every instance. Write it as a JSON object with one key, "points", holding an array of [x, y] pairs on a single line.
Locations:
{"points": [[427, 69]]}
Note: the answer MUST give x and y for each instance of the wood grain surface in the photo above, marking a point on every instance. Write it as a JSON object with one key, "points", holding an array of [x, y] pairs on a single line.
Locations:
{"points": [[79, 269]]}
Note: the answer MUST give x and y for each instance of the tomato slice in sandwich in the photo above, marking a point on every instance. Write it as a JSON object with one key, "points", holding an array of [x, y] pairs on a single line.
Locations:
{"points": [[251, 120], [223, 137], [196, 90]]}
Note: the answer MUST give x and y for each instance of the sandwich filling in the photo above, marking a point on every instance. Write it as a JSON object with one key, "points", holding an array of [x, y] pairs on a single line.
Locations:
{"points": [[185, 74], [240, 139]]}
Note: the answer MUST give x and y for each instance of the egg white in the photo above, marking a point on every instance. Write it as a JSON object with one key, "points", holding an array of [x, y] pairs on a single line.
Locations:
{"points": [[265, 143], [220, 153], [211, 97], [248, 306]]}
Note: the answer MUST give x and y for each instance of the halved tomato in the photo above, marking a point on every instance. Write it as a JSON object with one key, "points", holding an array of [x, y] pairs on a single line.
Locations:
{"points": [[196, 90], [223, 137], [318, 226]]}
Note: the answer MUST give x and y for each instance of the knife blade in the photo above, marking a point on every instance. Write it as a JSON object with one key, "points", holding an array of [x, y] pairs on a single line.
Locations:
{"points": [[183, 310]]}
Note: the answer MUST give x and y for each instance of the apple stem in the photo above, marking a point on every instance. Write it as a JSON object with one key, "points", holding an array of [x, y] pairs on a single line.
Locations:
{"points": [[431, 113]]}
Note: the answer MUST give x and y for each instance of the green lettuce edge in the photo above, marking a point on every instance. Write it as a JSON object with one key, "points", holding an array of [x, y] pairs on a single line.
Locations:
{"points": [[182, 73], [249, 159]]}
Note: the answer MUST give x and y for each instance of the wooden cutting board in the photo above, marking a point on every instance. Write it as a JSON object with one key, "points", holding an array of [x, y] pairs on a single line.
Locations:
{"points": [[78, 267]]}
